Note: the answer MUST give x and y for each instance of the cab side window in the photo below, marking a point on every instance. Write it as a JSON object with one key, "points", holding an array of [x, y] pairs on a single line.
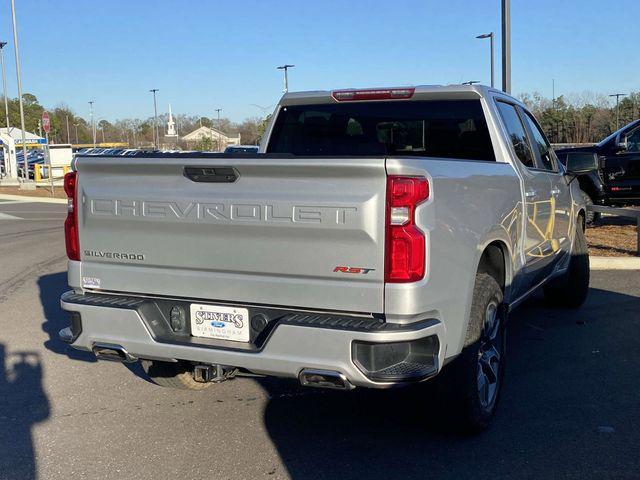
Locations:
{"points": [[633, 141], [540, 143], [517, 133]]}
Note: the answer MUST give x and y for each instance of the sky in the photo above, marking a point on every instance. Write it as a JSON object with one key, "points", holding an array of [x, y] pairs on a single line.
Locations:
{"points": [[207, 54]]}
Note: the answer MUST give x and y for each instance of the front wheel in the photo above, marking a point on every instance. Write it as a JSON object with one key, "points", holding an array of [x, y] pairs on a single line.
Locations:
{"points": [[474, 379]]}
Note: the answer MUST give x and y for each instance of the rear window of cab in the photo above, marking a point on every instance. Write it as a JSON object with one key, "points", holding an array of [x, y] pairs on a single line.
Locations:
{"points": [[443, 128]]}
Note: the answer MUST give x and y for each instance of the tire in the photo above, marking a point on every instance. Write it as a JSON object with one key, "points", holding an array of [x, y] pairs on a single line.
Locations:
{"points": [[591, 217], [570, 290], [473, 381], [175, 375]]}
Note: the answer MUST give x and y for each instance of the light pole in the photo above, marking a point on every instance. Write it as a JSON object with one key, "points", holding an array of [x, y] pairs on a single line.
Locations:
{"points": [[506, 46], [618, 95], [6, 100], [490, 37], [4, 84], [25, 172], [68, 132], [156, 140], [286, 68], [218, 110], [101, 127], [134, 131], [93, 125]]}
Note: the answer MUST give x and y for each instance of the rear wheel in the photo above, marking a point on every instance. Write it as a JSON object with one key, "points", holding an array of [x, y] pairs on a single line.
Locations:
{"points": [[474, 379], [571, 289], [172, 374]]}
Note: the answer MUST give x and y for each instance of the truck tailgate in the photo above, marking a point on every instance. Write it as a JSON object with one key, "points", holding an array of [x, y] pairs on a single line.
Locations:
{"points": [[274, 236]]}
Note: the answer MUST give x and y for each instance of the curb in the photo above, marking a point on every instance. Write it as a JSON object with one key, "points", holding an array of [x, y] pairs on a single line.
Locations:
{"points": [[614, 263], [25, 198]]}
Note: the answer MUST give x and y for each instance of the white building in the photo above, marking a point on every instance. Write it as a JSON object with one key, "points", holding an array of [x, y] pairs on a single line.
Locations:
{"points": [[219, 138], [11, 141]]}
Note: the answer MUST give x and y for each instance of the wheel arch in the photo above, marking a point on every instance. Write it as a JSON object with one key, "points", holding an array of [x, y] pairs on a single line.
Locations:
{"points": [[582, 218], [588, 185], [494, 260]]}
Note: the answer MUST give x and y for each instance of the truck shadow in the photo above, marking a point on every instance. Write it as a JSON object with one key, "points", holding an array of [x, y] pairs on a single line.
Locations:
{"points": [[556, 409], [51, 287], [23, 403]]}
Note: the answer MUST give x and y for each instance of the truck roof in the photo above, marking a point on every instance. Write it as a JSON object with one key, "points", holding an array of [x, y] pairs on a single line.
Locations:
{"points": [[420, 92]]}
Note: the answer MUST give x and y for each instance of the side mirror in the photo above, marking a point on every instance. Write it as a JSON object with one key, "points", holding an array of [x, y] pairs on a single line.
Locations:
{"points": [[581, 162], [622, 145]]}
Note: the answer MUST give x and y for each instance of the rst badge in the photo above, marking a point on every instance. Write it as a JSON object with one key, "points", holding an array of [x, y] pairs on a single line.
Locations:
{"points": [[353, 270]]}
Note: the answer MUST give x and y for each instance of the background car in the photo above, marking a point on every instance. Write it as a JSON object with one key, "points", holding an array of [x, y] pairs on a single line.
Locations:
{"points": [[242, 149], [616, 182]]}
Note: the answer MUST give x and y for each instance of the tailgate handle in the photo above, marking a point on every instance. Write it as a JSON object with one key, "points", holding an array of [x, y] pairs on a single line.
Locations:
{"points": [[211, 174]]}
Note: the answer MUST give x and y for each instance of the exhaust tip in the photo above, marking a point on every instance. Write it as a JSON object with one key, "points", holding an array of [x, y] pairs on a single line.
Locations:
{"points": [[112, 353], [324, 379]]}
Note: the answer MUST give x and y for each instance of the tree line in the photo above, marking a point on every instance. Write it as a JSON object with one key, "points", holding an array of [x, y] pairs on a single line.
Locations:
{"points": [[582, 118], [573, 118], [66, 126]]}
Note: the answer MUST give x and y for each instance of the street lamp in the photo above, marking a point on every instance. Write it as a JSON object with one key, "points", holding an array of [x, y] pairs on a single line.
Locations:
{"points": [[286, 68], [93, 125], [25, 171], [618, 95], [101, 126], [156, 140], [4, 83], [6, 99], [218, 110], [490, 37], [506, 46]]}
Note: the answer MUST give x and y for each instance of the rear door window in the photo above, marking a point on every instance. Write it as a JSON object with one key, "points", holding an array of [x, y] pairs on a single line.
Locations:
{"points": [[540, 143], [517, 133], [443, 128]]}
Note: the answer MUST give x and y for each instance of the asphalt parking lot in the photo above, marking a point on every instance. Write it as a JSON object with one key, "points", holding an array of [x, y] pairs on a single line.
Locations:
{"points": [[570, 407]]}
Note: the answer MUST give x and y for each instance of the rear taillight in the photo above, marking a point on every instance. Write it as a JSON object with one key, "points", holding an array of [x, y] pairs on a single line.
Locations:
{"points": [[71, 223], [405, 243], [373, 94]]}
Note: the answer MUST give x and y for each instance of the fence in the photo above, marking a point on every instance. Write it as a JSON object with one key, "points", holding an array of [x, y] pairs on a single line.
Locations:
{"points": [[622, 212]]}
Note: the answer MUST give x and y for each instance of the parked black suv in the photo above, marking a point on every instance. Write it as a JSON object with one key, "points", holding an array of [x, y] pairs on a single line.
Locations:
{"points": [[617, 180]]}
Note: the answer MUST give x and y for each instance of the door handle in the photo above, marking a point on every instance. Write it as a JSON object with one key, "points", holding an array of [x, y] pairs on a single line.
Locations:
{"points": [[530, 194], [555, 191]]}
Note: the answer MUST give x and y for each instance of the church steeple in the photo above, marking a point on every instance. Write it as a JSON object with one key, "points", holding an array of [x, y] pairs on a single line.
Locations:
{"points": [[171, 125]]}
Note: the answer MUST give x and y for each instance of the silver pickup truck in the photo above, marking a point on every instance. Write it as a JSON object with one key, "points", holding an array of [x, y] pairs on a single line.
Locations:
{"points": [[379, 238]]}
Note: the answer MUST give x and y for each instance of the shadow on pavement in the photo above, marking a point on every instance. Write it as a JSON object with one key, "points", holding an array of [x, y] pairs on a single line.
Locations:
{"points": [[569, 409], [51, 287], [23, 404]]}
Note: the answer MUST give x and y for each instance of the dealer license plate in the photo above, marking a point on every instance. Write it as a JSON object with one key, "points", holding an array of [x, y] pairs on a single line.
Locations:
{"points": [[224, 323]]}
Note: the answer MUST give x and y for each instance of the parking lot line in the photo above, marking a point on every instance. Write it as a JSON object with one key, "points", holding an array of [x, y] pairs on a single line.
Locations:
{"points": [[23, 199]]}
